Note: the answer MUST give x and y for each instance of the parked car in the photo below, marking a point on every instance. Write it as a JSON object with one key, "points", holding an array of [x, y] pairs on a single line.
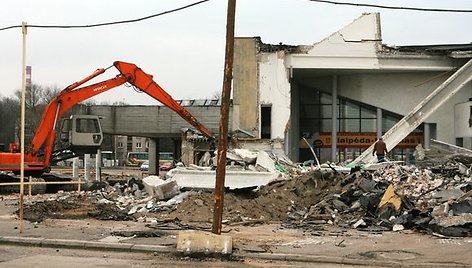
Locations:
{"points": [[145, 165], [166, 166]]}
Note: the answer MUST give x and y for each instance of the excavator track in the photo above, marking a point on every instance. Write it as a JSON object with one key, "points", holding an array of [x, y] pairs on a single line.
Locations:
{"points": [[36, 188], [8, 189]]}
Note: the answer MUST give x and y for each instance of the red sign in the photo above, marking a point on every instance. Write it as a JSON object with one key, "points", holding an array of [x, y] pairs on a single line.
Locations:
{"points": [[364, 140]]}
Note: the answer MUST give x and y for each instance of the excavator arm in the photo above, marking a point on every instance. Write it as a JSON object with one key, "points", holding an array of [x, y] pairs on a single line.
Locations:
{"points": [[144, 82], [71, 95]]}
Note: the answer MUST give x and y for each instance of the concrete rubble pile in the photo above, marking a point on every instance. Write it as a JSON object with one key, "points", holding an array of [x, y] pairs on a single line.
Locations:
{"points": [[122, 201], [396, 198], [437, 199]]}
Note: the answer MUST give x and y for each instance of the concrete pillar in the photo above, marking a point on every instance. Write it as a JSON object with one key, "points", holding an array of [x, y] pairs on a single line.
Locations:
{"points": [[87, 167], [378, 125], [177, 149], [98, 165], [427, 135], [75, 167], [334, 118], [154, 156], [293, 149]]}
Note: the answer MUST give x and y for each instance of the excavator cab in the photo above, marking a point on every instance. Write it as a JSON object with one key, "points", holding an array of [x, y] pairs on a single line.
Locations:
{"points": [[81, 134]]}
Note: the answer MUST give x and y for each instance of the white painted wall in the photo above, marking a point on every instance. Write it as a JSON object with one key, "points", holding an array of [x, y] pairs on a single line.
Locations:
{"points": [[461, 123], [274, 89], [353, 47]]}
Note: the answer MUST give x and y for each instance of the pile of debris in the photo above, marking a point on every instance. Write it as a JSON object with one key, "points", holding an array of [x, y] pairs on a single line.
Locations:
{"points": [[395, 197], [245, 169]]}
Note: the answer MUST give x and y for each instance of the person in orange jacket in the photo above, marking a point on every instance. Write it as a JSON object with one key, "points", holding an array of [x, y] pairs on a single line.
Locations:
{"points": [[380, 148]]}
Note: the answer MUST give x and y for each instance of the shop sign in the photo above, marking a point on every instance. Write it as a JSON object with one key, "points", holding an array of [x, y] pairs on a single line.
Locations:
{"points": [[363, 140]]}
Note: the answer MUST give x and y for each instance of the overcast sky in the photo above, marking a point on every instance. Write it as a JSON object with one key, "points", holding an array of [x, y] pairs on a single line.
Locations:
{"points": [[185, 50]]}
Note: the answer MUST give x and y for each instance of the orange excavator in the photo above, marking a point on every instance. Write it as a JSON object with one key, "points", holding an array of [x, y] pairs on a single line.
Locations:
{"points": [[81, 134]]}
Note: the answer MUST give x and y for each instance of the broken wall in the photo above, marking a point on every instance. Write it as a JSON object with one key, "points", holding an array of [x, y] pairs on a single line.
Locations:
{"points": [[274, 90], [245, 91]]}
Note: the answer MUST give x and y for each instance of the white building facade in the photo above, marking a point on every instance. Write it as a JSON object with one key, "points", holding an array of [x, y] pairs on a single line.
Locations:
{"points": [[348, 88]]}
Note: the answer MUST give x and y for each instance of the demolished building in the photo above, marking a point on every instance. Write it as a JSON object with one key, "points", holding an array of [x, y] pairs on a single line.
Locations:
{"points": [[349, 88]]}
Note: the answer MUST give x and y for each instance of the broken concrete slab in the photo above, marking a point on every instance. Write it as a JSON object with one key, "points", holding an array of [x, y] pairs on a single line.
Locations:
{"points": [[206, 179], [265, 161], [461, 220], [446, 195], [247, 155], [232, 157], [191, 242], [161, 189]]}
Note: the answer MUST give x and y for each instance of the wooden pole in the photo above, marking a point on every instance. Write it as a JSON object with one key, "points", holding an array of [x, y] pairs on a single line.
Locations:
{"points": [[223, 138], [30, 186], [22, 136]]}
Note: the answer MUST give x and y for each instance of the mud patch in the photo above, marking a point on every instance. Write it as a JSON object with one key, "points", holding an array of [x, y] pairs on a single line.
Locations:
{"points": [[150, 233], [70, 209], [388, 254]]}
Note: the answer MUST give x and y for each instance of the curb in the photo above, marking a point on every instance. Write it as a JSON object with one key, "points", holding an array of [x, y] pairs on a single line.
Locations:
{"points": [[82, 244], [130, 247]]}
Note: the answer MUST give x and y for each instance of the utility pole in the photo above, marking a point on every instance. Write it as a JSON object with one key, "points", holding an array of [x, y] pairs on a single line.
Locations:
{"points": [[24, 31], [223, 138]]}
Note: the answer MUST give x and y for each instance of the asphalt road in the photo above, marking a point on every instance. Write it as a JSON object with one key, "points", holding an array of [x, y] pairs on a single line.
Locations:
{"points": [[27, 257]]}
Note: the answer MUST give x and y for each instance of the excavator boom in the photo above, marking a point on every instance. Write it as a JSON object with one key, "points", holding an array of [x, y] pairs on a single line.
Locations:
{"points": [[39, 152], [144, 82]]}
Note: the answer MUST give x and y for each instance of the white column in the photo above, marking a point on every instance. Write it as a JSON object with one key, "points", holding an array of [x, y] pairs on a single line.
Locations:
{"points": [[334, 118], [427, 135], [87, 167], [75, 168], [98, 165], [379, 122], [153, 156]]}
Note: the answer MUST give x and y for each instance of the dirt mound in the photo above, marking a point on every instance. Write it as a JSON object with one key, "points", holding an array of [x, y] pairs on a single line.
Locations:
{"points": [[74, 207], [273, 202]]}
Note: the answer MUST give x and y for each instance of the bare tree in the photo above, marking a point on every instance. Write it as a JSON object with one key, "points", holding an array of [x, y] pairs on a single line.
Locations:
{"points": [[119, 103], [9, 115], [36, 99], [90, 102], [49, 93], [33, 96], [216, 95]]}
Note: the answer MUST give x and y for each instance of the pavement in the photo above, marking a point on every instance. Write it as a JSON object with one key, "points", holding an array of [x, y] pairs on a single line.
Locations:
{"points": [[332, 245]]}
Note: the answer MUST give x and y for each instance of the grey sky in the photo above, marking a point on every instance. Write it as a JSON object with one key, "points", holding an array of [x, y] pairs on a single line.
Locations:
{"points": [[185, 50]]}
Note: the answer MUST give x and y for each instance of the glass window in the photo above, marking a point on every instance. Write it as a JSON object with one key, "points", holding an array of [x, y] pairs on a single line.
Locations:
{"points": [[368, 125], [368, 113], [351, 110], [388, 122], [326, 125], [325, 98], [326, 111], [349, 125], [166, 156], [87, 125]]}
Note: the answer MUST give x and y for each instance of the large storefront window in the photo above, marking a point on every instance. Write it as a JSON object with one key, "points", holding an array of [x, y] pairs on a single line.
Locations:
{"points": [[357, 128]]}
